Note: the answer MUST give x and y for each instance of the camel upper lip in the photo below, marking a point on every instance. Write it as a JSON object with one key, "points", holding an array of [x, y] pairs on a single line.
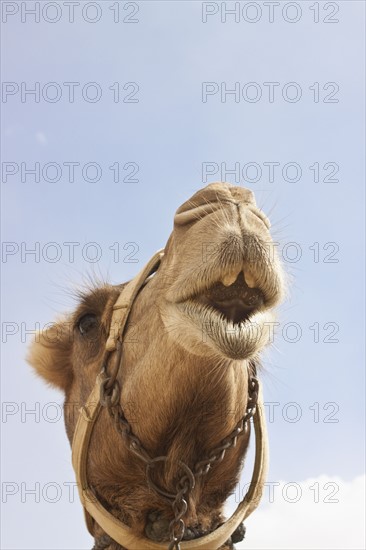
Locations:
{"points": [[249, 284]]}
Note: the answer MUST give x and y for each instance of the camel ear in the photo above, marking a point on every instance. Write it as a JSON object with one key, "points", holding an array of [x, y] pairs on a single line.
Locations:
{"points": [[50, 355]]}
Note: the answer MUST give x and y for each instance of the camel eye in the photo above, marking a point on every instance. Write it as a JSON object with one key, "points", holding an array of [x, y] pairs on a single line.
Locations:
{"points": [[87, 323]]}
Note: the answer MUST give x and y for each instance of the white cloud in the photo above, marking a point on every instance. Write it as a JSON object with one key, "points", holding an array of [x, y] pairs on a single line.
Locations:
{"points": [[319, 513]]}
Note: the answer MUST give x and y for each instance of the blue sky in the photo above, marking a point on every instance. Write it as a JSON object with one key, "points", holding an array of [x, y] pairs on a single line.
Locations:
{"points": [[168, 135]]}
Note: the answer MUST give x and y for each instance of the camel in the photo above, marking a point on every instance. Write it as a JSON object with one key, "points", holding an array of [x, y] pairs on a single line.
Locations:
{"points": [[183, 371]]}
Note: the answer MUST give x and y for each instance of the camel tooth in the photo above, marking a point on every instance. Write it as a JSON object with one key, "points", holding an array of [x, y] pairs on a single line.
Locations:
{"points": [[229, 279], [249, 279]]}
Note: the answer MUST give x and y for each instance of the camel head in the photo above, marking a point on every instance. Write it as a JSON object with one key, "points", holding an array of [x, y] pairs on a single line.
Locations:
{"points": [[196, 326], [221, 275]]}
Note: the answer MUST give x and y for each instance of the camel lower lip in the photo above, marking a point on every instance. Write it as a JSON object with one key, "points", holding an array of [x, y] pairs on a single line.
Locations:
{"points": [[235, 310], [231, 311], [226, 314], [210, 327], [206, 316]]}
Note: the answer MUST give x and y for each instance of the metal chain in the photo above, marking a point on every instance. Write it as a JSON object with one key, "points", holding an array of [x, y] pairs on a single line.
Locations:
{"points": [[217, 454], [180, 506], [110, 398]]}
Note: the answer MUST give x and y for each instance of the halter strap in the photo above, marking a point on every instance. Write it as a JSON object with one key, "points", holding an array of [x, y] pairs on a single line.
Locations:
{"points": [[124, 303]]}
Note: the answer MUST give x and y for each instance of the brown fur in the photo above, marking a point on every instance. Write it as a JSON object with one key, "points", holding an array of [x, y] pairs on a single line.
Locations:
{"points": [[183, 390]]}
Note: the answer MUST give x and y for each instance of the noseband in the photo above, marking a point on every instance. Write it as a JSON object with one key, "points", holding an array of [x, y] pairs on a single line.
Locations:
{"points": [[106, 393]]}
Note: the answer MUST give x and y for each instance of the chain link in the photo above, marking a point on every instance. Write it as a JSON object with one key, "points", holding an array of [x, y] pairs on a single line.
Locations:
{"points": [[110, 399]]}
